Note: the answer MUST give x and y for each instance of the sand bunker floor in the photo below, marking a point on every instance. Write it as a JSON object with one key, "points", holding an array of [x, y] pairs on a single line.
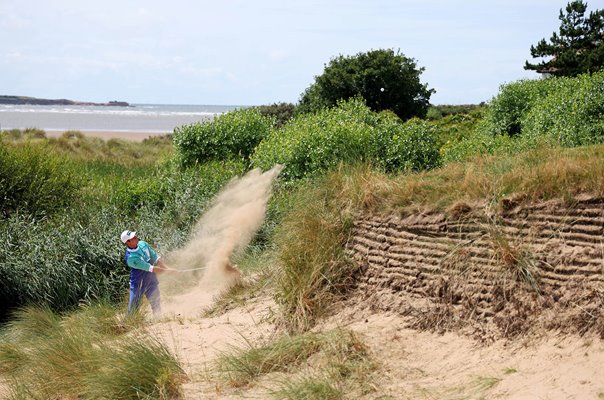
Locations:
{"points": [[413, 364], [424, 365]]}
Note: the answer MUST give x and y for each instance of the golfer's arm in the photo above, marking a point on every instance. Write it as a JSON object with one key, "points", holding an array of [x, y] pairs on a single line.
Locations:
{"points": [[140, 264]]}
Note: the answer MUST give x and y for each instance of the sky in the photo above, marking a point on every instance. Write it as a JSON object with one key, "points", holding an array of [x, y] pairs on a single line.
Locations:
{"points": [[238, 52]]}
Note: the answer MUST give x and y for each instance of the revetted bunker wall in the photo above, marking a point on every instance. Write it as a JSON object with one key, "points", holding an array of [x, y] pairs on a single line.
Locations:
{"points": [[531, 258]]}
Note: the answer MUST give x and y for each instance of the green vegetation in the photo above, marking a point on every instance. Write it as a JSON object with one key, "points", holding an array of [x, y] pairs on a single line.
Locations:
{"points": [[337, 363], [65, 200], [350, 133], [33, 183], [384, 79], [578, 48], [281, 112], [231, 135], [439, 111], [86, 355], [527, 114]]}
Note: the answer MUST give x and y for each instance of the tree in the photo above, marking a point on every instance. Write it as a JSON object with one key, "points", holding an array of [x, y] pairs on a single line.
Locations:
{"points": [[385, 79], [577, 49]]}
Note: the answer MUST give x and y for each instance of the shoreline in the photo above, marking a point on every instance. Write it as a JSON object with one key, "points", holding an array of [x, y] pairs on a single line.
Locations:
{"points": [[134, 136]]}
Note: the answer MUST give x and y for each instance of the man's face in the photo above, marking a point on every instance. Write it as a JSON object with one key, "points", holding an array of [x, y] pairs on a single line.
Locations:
{"points": [[132, 243]]}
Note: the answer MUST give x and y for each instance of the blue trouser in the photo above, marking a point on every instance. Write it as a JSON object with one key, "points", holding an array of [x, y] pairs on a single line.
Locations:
{"points": [[144, 283]]}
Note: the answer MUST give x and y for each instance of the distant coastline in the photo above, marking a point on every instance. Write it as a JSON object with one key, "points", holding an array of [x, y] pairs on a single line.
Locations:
{"points": [[19, 100]]}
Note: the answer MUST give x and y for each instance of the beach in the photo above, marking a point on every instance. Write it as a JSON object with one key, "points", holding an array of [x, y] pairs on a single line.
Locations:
{"points": [[133, 136], [136, 122]]}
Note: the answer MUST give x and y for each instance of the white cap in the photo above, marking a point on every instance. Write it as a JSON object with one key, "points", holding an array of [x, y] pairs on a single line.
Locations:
{"points": [[127, 235]]}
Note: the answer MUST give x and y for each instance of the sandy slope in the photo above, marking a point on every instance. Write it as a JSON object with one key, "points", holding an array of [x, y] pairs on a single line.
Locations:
{"points": [[424, 365], [414, 364], [198, 341]]}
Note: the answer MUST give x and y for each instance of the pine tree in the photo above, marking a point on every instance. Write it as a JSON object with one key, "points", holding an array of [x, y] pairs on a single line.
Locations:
{"points": [[577, 48]]}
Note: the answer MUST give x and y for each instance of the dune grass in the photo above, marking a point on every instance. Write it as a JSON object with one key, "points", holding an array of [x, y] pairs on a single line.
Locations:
{"points": [[89, 354], [310, 242], [333, 363], [93, 151], [541, 174]]}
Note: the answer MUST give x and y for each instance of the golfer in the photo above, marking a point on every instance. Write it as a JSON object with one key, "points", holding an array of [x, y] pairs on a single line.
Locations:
{"points": [[144, 263]]}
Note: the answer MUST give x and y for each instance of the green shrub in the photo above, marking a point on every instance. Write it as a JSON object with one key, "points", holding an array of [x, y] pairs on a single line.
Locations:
{"points": [[508, 109], [231, 135], [349, 133], [572, 115], [406, 146], [527, 114], [35, 181], [281, 112]]}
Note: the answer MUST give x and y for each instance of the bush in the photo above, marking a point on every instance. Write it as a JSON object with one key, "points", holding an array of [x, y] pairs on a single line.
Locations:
{"points": [[34, 181], [527, 114], [572, 115], [385, 79], [349, 133], [231, 135], [408, 146], [508, 109], [281, 112]]}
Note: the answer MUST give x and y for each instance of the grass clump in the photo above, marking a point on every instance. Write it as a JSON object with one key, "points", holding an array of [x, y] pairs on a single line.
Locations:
{"points": [[309, 388], [310, 245], [337, 362], [83, 355], [513, 257], [34, 182], [240, 367]]}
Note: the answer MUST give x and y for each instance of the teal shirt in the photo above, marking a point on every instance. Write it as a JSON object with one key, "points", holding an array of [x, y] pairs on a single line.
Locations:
{"points": [[143, 257]]}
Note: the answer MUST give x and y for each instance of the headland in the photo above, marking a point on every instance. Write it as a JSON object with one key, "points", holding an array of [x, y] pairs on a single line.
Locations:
{"points": [[19, 100]]}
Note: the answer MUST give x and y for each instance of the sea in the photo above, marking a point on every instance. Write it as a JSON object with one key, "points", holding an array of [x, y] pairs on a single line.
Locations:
{"points": [[137, 118]]}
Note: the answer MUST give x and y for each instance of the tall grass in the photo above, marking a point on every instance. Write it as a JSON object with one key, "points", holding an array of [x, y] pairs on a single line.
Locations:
{"points": [[85, 355], [75, 254], [35, 182], [310, 243]]}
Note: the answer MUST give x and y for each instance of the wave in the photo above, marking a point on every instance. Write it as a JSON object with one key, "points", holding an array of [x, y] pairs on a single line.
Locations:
{"points": [[107, 111]]}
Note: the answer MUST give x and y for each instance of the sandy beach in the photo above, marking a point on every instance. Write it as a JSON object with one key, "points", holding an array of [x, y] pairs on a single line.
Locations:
{"points": [[106, 135]]}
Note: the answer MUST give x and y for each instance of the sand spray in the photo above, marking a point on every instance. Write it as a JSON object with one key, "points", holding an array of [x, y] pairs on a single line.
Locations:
{"points": [[227, 227]]}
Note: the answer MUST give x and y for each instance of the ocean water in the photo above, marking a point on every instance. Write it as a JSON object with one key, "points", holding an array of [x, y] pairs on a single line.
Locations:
{"points": [[141, 118]]}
